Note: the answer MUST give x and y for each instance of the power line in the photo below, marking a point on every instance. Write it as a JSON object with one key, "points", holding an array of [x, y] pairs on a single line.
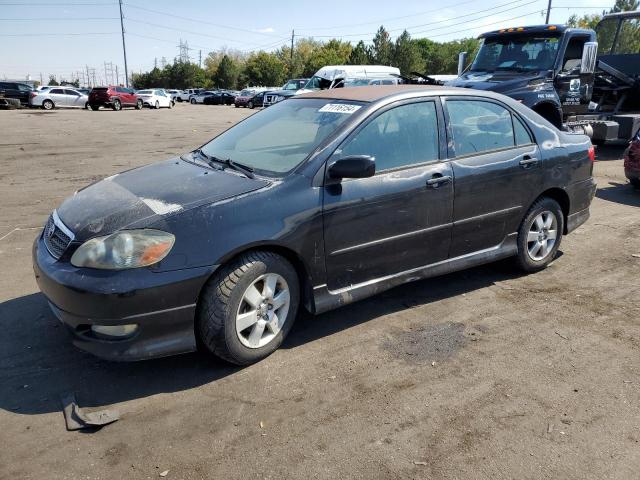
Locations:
{"points": [[65, 4], [56, 34], [492, 10], [487, 24], [55, 19], [200, 21]]}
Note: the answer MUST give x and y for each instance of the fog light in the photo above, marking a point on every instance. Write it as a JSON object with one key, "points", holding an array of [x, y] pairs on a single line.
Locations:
{"points": [[114, 330]]}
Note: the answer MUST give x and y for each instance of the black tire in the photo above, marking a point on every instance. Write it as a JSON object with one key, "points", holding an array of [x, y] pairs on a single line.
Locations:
{"points": [[524, 259], [157, 105], [635, 182], [193, 101], [95, 108], [251, 105], [171, 104], [179, 100], [48, 105], [222, 296], [87, 106], [237, 106], [139, 104], [117, 106]]}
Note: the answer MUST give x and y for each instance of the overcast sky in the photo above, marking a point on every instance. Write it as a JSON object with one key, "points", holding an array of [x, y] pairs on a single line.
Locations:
{"points": [[91, 28]]}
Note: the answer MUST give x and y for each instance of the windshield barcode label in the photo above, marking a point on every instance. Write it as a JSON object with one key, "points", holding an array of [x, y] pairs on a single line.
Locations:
{"points": [[340, 108]]}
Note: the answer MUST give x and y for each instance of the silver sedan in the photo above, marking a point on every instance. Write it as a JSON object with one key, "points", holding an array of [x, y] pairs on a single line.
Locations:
{"points": [[58, 97]]}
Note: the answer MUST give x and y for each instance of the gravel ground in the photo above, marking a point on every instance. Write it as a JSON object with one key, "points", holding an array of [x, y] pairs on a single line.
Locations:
{"points": [[482, 374]]}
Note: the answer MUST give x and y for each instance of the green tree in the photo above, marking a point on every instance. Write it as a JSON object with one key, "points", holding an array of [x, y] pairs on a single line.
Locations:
{"points": [[53, 81], [382, 50], [227, 73], [360, 55], [406, 55], [624, 6], [265, 69], [334, 52]]}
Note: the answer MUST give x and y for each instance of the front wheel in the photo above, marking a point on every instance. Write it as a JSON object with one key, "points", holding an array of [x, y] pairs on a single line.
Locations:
{"points": [[87, 106], [193, 101], [48, 105], [539, 235], [117, 105], [248, 308], [635, 182], [139, 105], [95, 108], [179, 100], [250, 105], [157, 105], [171, 104]]}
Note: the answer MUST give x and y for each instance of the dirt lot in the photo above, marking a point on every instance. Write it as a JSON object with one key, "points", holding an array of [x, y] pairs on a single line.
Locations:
{"points": [[483, 374]]}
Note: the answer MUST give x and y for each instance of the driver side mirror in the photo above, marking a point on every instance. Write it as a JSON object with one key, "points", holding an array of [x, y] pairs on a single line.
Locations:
{"points": [[355, 166], [589, 57]]}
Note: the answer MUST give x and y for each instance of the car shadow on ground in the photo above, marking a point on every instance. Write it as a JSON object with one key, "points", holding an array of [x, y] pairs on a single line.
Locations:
{"points": [[38, 363], [623, 193], [607, 153]]}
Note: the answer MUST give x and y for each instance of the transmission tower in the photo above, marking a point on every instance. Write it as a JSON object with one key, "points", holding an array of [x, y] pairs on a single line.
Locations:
{"points": [[184, 52]]}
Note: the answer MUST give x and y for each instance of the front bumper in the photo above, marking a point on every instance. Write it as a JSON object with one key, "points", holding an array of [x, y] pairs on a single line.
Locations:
{"points": [[162, 304]]}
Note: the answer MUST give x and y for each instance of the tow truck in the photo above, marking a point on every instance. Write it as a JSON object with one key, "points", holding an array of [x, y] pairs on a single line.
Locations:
{"points": [[578, 79]]}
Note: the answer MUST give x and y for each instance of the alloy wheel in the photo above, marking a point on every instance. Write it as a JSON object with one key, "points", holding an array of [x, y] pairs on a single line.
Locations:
{"points": [[542, 235], [263, 310]]}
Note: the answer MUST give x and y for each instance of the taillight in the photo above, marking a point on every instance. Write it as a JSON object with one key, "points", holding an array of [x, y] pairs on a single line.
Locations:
{"points": [[33, 94], [592, 153]]}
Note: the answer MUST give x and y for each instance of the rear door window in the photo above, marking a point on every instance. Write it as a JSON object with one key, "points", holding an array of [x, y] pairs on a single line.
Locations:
{"points": [[57, 91], [479, 126], [523, 137], [402, 136]]}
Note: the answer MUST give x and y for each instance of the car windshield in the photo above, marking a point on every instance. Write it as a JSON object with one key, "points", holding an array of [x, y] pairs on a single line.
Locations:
{"points": [[356, 82], [292, 85], [276, 140], [317, 83], [517, 52], [247, 93]]}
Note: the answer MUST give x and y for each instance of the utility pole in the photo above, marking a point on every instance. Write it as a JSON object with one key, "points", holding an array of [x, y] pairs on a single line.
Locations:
{"points": [[41, 81], [548, 12], [88, 77], [200, 59], [293, 34], [117, 76], [124, 48]]}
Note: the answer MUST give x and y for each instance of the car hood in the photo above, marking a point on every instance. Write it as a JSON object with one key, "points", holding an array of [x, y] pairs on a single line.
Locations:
{"points": [[500, 81], [142, 196]]}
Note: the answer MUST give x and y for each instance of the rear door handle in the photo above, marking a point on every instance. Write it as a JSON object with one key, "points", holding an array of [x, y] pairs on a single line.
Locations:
{"points": [[527, 161], [436, 181]]}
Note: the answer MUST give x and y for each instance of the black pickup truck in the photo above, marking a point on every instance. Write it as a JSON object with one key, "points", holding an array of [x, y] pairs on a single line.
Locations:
{"points": [[581, 80], [17, 90]]}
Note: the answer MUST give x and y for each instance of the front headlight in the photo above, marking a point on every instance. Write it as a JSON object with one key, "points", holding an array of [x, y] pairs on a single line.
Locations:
{"points": [[126, 249]]}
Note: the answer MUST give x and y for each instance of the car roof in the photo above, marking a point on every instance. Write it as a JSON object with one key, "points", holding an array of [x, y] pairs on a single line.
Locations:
{"points": [[375, 93]]}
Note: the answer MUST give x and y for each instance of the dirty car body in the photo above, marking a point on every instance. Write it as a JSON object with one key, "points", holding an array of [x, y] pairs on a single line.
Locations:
{"points": [[347, 238]]}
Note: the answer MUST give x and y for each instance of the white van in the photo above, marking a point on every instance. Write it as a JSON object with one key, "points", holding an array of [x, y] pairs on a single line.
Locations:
{"points": [[336, 76]]}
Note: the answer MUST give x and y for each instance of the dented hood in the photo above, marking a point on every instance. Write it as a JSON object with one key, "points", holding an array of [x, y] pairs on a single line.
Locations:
{"points": [[140, 197]]}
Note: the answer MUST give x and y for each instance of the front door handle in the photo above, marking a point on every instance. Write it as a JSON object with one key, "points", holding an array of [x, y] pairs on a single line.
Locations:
{"points": [[528, 161], [436, 181]]}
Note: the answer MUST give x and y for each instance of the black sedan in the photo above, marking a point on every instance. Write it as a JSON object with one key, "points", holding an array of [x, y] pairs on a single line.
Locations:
{"points": [[219, 98], [316, 202]]}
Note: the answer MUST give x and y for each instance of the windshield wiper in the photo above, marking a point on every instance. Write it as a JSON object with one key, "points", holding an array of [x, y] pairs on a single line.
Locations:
{"points": [[238, 167]]}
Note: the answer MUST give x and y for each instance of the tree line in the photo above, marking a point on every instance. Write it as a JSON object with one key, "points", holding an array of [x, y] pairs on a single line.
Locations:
{"points": [[233, 69]]}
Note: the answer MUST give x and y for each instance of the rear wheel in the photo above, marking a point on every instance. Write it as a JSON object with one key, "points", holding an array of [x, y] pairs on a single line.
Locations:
{"points": [[171, 104], [117, 106], [248, 307], [179, 100], [539, 235], [87, 106], [635, 182], [48, 105], [95, 107]]}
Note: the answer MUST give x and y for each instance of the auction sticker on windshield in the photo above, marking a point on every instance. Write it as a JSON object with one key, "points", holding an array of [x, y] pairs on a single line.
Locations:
{"points": [[340, 108]]}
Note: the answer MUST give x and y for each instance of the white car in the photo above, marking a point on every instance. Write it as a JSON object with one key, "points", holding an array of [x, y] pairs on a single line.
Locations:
{"points": [[154, 98], [199, 98], [185, 95]]}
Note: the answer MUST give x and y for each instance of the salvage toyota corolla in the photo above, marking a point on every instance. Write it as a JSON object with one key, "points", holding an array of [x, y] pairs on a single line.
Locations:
{"points": [[321, 200]]}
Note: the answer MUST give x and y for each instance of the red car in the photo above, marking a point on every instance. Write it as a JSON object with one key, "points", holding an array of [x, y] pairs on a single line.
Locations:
{"points": [[245, 99], [114, 97], [632, 161]]}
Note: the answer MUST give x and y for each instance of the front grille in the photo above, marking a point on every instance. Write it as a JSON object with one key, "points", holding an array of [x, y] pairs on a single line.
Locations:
{"points": [[55, 238]]}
